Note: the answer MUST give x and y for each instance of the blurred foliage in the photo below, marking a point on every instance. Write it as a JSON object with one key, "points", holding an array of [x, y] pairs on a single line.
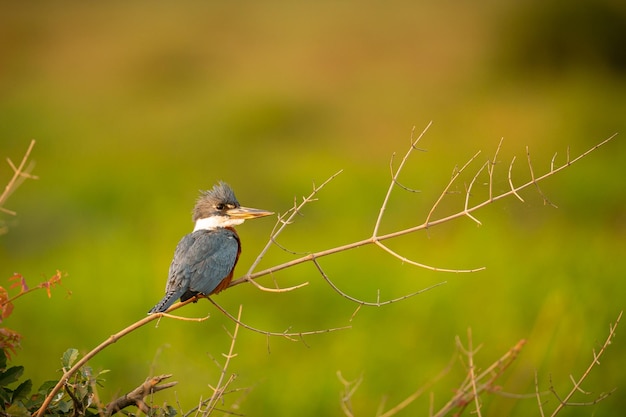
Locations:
{"points": [[136, 106], [565, 36]]}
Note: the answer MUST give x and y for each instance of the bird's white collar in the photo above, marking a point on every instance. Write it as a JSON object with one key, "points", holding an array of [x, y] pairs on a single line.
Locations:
{"points": [[214, 222]]}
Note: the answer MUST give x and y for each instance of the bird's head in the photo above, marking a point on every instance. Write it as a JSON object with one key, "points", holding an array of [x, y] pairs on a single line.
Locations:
{"points": [[219, 207]]}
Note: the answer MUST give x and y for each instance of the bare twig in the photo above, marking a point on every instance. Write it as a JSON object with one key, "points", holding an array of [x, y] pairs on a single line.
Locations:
{"points": [[429, 222], [377, 303], [350, 388], [470, 352], [283, 221], [492, 166], [532, 176], [394, 178], [513, 189], [538, 396], [455, 175], [293, 336], [420, 391], [222, 385], [20, 173], [475, 384], [563, 402]]}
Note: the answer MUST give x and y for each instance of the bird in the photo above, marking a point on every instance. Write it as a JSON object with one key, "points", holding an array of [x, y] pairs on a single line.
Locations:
{"points": [[205, 259]]}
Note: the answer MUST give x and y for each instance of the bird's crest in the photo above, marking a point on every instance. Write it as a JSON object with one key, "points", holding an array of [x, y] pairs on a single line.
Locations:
{"points": [[221, 193]]}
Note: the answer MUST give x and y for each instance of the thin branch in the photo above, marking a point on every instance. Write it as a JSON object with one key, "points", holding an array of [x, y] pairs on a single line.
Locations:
{"points": [[432, 268], [577, 383], [492, 166], [220, 388], [394, 178], [418, 393], [538, 395], [20, 173], [378, 303], [455, 174], [468, 193], [472, 371], [514, 191], [475, 385], [350, 388], [293, 336], [282, 222], [532, 176]]}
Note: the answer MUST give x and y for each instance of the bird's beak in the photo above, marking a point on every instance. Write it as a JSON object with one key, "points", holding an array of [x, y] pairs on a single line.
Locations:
{"points": [[246, 213]]}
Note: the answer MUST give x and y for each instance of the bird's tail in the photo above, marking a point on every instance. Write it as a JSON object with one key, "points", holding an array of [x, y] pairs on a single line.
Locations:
{"points": [[164, 304]]}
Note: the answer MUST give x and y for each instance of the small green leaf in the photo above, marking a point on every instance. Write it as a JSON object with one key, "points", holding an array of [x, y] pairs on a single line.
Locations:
{"points": [[64, 406], [46, 387], [17, 410], [3, 359], [5, 396], [22, 390], [11, 375], [69, 357]]}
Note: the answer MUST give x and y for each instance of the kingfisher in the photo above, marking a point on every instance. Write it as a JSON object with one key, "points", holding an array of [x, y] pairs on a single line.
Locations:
{"points": [[205, 259]]}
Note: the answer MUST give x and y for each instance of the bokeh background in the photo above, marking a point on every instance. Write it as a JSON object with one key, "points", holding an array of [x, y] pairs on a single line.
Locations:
{"points": [[136, 106]]}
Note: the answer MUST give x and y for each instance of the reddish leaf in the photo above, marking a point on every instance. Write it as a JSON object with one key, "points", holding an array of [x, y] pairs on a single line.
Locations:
{"points": [[54, 280], [9, 341], [20, 281], [6, 307]]}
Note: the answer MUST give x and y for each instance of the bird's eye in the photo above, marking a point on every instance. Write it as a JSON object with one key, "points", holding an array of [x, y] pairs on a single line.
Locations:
{"points": [[220, 206]]}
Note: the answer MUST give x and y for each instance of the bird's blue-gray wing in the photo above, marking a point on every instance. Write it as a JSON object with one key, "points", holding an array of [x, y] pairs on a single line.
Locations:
{"points": [[214, 254], [201, 261]]}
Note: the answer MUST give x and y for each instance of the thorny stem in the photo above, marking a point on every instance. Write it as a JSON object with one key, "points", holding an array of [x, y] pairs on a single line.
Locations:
{"points": [[19, 174], [514, 190], [596, 356], [476, 383], [285, 220], [219, 389], [394, 178], [377, 303], [293, 336]]}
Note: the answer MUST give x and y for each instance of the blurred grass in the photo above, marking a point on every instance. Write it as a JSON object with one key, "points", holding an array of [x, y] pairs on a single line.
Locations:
{"points": [[137, 106]]}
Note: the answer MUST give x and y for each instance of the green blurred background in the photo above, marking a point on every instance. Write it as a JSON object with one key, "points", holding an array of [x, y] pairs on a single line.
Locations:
{"points": [[136, 106]]}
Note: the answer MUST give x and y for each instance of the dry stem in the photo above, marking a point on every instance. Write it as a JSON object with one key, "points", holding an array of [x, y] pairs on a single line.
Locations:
{"points": [[577, 383], [467, 211], [20, 173]]}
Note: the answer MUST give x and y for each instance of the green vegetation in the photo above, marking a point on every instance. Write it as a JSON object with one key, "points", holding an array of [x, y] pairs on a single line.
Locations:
{"points": [[135, 107]]}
